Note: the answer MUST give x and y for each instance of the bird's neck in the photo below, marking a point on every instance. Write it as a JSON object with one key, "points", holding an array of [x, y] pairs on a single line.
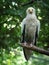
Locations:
{"points": [[31, 16]]}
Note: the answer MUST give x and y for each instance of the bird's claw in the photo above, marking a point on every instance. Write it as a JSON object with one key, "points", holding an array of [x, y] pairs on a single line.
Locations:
{"points": [[31, 44], [25, 43]]}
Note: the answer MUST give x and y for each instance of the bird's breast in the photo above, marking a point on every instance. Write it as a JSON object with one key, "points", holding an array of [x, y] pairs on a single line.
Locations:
{"points": [[30, 28]]}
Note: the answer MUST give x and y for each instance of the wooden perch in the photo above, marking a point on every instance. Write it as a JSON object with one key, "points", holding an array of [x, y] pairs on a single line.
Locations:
{"points": [[34, 48]]}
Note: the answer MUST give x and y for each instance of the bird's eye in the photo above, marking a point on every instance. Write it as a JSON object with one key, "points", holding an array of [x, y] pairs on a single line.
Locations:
{"points": [[32, 9], [29, 10]]}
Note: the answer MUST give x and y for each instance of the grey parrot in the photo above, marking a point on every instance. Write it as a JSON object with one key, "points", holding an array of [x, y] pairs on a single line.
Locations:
{"points": [[30, 27]]}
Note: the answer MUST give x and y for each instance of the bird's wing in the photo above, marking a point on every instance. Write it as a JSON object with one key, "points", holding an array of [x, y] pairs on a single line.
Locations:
{"points": [[22, 30], [37, 31], [22, 25], [38, 26]]}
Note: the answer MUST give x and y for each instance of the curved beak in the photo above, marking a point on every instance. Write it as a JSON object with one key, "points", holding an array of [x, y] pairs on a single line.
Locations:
{"points": [[30, 11]]}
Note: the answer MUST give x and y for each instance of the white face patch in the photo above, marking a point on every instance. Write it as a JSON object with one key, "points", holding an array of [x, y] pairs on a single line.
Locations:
{"points": [[30, 10]]}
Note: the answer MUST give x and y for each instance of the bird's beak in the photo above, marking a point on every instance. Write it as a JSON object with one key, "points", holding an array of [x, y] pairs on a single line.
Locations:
{"points": [[30, 11]]}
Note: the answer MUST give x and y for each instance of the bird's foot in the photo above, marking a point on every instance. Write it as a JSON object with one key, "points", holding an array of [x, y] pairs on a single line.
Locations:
{"points": [[31, 44], [25, 43]]}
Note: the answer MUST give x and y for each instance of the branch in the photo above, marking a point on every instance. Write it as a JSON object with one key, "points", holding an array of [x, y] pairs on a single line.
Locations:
{"points": [[34, 48], [24, 4]]}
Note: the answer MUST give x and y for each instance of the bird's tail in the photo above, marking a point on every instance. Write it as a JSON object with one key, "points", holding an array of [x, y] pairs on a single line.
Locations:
{"points": [[27, 53]]}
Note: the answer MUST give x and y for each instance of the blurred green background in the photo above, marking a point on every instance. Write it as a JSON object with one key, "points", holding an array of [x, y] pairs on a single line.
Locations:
{"points": [[12, 13]]}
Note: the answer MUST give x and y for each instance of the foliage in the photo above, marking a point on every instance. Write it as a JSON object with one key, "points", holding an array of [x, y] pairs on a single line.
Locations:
{"points": [[11, 15], [16, 57]]}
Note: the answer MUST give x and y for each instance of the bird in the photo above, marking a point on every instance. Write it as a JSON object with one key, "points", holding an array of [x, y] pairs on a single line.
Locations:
{"points": [[30, 27]]}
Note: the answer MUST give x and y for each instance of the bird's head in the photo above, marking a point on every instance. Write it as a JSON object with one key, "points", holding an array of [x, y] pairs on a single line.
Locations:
{"points": [[30, 10]]}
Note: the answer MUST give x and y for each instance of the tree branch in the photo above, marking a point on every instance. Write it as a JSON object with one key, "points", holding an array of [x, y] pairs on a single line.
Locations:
{"points": [[34, 48], [24, 4]]}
